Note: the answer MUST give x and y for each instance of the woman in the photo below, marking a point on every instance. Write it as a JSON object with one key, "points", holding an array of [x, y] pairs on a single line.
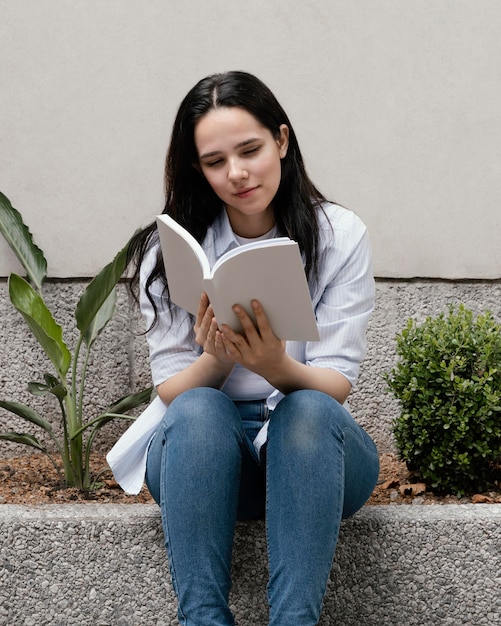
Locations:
{"points": [[234, 173]]}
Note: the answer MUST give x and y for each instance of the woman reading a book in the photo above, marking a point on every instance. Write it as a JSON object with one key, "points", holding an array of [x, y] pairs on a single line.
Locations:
{"points": [[234, 173]]}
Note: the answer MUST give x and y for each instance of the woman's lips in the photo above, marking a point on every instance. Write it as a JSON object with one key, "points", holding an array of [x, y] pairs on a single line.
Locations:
{"points": [[245, 193]]}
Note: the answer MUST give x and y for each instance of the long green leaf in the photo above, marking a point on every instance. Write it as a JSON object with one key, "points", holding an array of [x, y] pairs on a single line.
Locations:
{"points": [[29, 440], [97, 292], [20, 240], [102, 317], [38, 317], [26, 413], [100, 421], [127, 403], [117, 410], [25, 439]]}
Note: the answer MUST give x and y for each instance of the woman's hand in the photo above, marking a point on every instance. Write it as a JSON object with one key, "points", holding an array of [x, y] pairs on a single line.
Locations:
{"points": [[260, 351], [211, 368], [207, 333], [257, 349]]}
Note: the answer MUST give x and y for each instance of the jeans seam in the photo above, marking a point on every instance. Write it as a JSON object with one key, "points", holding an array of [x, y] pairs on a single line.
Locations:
{"points": [[362, 439], [163, 500]]}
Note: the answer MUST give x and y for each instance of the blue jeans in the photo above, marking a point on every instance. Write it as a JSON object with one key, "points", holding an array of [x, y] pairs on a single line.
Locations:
{"points": [[320, 467]]}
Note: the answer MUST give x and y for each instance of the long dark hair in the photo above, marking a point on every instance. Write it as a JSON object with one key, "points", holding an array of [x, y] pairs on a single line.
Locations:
{"points": [[189, 198]]}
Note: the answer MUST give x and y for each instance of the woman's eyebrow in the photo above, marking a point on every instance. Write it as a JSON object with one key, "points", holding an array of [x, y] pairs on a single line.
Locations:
{"points": [[242, 144]]}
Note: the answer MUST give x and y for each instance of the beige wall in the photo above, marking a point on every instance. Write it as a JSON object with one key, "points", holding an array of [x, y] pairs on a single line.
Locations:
{"points": [[397, 104]]}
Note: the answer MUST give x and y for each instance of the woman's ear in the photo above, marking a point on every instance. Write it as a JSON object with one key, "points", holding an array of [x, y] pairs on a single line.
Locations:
{"points": [[283, 140]]}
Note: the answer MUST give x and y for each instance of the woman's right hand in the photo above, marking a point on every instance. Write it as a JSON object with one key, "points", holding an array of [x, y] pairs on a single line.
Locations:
{"points": [[207, 333], [211, 368]]}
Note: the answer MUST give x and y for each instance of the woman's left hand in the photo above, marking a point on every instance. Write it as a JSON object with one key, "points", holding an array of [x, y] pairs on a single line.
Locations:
{"points": [[260, 351], [257, 348]]}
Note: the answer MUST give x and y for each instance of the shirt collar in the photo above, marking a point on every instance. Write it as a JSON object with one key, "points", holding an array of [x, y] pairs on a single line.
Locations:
{"points": [[222, 234]]}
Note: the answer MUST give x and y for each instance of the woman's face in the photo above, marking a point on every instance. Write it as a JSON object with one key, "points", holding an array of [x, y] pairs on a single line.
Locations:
{"points": [[240, 159]]}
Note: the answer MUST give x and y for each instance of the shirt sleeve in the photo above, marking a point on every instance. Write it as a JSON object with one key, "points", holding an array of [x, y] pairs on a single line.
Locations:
{"points": [[171, 340], [344, 299]]}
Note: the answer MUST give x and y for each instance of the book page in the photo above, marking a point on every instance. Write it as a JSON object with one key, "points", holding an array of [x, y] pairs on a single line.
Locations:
{"points": [[262, 243]]}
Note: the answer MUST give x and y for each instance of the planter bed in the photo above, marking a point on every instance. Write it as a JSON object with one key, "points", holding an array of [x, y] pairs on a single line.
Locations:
{"points": [[104, 565]]}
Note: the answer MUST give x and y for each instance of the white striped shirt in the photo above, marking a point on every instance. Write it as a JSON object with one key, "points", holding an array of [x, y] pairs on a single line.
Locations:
{"points": [[343, 299]]}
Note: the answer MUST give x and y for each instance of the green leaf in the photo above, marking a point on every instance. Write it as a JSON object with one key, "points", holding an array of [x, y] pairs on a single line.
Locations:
{"points": [[100, 421], [127, 403], [38, 317], [25, 439], [102, 317], [20, 240], [26, 413], [117, 410], [52, 385], [96, 295], [38, 389], [56, 386]]}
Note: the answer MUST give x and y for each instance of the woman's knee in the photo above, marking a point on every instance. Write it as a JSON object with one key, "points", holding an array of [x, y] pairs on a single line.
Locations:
{"points": [[199, 400], [199, 424], [309, 406], [303, 420], [312, 423], [201, 412]]}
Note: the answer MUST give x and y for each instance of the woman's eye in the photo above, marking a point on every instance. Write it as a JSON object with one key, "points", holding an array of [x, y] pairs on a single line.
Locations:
{"points": [[214, 163], [251, 151]]}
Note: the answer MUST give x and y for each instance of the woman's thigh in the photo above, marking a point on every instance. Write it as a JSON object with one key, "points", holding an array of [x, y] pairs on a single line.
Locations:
{"points": [[200, 429], [211, 414], [314, 426]]}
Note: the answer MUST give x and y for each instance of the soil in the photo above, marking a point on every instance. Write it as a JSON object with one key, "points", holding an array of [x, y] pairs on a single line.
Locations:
{"points": [[32, 480]]}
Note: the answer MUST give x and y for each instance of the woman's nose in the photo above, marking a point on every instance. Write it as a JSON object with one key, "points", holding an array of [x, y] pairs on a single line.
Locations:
{"points": [[236, 170]]}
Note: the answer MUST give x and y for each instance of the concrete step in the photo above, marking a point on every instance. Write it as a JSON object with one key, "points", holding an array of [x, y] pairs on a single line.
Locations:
{"points": [[105, 565]]}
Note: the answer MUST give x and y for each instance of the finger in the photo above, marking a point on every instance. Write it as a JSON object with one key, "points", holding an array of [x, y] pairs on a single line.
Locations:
{"points": [[220, 345], [246, 322], [202, 308], [211, 325], [208, 319], [203, 329], [230, 347], [238, 340], [209, 340], [262, 321]]}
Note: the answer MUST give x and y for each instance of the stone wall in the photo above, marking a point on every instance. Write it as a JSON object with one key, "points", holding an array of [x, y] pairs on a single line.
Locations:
{"points": [[119, 361]]}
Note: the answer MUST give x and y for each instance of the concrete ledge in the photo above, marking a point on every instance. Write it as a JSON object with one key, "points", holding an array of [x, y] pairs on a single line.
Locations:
{"points": [[104, 565]]}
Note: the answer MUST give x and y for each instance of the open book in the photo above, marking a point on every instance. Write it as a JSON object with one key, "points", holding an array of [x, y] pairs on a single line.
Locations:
{"points": [[270, 271]]}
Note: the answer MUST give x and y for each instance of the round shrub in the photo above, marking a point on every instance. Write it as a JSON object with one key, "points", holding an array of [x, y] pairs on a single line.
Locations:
{"points": [[448, 381]]}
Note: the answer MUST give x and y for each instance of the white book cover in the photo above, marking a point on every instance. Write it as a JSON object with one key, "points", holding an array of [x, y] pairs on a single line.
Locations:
{"points": [[270, 271]]}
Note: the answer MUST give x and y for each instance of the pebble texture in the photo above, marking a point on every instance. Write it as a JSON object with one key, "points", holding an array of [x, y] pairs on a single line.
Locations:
{"points": [[119, 363], [105, 565]]}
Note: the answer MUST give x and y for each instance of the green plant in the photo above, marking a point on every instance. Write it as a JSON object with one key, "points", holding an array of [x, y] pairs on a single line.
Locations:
{"points": [[448, 382], [67, 384]]}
